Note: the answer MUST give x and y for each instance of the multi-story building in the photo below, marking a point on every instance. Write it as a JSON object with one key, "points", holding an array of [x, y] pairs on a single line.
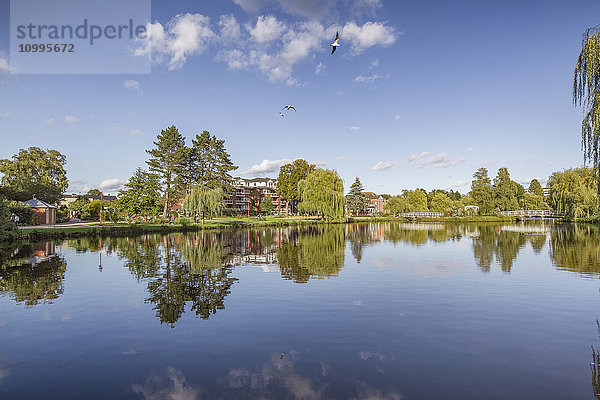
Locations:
{"points": [[249, 193]]}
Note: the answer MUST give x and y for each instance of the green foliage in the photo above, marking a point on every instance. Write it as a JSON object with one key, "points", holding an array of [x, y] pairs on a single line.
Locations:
{"points": [[24, 212], [267, 205], [79, 205], [441, 203], [34, 172], [94, 192], [92, 211], [506, 192], [203, 200], [289, 177], [140, 195], [417, 200], [481, 190], [397, 204], [207, 163], [574, 191], [7, 227], [532, 201], [167, 159], [586, 92], [356, 200], [322, 191], [536, 188]]}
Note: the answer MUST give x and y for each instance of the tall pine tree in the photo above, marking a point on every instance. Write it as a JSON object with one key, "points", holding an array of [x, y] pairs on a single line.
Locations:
{"points": [[356, 199], [167, 161]]}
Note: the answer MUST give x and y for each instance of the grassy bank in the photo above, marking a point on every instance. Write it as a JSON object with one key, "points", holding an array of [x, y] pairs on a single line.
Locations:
{"points": [[124, 229]]}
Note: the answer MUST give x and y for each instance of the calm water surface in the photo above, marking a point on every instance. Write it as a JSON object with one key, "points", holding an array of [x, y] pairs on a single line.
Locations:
{"points": [[369, 311]]}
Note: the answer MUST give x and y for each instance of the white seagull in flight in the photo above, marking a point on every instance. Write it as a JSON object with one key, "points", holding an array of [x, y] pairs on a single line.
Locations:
{"points": [[335, 43]]}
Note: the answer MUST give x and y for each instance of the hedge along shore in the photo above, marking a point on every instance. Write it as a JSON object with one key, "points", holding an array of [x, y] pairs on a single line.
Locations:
{"points": [[34, 234]]}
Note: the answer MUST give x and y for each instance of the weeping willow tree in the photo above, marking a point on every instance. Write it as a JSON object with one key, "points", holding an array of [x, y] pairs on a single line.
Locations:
{"points": [[586, 93], [203, 200], [322, 192]]}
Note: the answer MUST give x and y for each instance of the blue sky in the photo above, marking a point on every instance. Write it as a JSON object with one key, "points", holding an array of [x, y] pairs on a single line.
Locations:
{"points": [[420, 93]]}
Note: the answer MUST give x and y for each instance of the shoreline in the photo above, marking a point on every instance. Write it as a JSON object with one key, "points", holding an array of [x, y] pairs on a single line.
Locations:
{"points": [[95, 230]]}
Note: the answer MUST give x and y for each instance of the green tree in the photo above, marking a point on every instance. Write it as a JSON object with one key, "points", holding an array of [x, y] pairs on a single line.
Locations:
{"points": [[441, 203], [167, 161], [397, 205], [141, 194], [207, 163], [505, 191], [322, 191], [94, 192], [289, 176], [7, 227], [481, 190], [536, 188], [34, 172], [356, 198], [574, 191], [532, 201], [417, 199], [203, 200], [586, 93], [79, 205], [266, 205]]}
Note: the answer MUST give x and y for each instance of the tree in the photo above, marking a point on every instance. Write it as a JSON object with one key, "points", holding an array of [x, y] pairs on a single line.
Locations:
{"points": [[94, 192], [586, 93], [167, 161], [34, 172], [289, 176], [7, 228], [79, 205], [397, 204], [417, 199], [574, 191], [322, 191], [532, 201], [481, 190], [207, 163], [505, 192], [266, 205], [536, 188], [141, 194], [204, 200], [356, 199], [441, 203]]}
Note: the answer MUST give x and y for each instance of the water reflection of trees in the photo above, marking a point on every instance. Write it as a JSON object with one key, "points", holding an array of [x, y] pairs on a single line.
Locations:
{"points": [[576, 248], [32, 273], [312, 252]]}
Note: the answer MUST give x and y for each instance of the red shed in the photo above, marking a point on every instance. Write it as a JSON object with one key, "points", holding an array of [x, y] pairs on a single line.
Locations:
{"points": [[44, 213]]}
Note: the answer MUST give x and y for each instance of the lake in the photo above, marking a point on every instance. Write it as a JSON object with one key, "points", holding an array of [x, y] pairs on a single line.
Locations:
{"points": [[362, 311]]}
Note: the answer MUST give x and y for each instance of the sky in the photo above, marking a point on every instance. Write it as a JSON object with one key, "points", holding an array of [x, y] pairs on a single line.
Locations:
{"points": [[419, 94]]}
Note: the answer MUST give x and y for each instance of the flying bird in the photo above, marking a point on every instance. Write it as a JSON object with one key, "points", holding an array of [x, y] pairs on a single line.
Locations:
{"points": [[289, 108], [335, 43], [280, 113]]}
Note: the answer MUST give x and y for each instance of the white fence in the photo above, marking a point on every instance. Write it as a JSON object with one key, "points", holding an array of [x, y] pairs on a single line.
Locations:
{"points": [[532, 213], [421, 214]]}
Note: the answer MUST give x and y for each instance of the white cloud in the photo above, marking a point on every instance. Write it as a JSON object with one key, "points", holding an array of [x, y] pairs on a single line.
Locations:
{"points": [[321, 163], [460, 184], [111, 185], [320, 68], [526, 181], [382, 166], [367, 35], [132, 85], [185, 35], [367, 79], [266, 166], [442, 160], [490, 163], [374, 63], [230, 28], [397, 117], [266, 29], [355, 128], [70, 119], [50, 121], [135, 131], [4, 115], [5, 67]]}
